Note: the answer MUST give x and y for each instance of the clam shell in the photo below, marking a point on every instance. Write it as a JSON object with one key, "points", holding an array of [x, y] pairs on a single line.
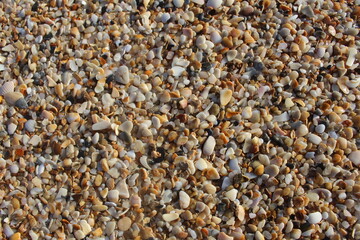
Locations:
{"points": [[12, 97], [7, 88]]}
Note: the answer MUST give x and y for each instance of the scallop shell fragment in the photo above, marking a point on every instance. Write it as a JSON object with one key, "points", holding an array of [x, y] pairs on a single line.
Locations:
{"points": [[7, 88]]}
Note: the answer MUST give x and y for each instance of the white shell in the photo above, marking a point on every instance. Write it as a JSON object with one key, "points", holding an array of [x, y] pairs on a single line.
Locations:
{"points": [[7, 87]]}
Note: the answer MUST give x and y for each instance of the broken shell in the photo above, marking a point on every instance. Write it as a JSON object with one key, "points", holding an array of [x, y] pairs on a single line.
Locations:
{"points": [[225, 96], [12, 97], [7, 88]]}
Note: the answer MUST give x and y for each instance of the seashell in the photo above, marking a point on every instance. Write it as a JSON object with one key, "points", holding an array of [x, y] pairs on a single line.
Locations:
{"points": [[225, 96], [122, 75], [177, 71], [30, 125], [11, 128], [7, 88], [353, 83], [21, 103], [12, 97], [101, 125], [341, 82]]}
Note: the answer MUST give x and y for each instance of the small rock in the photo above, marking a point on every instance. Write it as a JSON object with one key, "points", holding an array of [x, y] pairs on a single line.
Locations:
{"points": [[232, 194], [240, 213], [126, 126], [225, 96], [168, 217], [355, 157], [231, 55], [15, 236], [11, 128], [123, 189], [209, 145], [247, 113], [224, 236], [113, 195], [259, 236], [110, 227], [102, 125], [79, 234], [259, 170], [315, 139], [178, 3], [302, 130], [122, 75], [308, 11], [165, 17], [320, 128], [212, 174], [214, 3], [272, 170], [30, 125], [124, 224], [126, 137], [215, 37], [315, 218], [247, 11], [184, 199], [85, 227]]}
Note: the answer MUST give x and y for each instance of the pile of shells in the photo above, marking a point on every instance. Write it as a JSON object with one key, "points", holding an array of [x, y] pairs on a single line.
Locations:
{"points": [[182, 119]]}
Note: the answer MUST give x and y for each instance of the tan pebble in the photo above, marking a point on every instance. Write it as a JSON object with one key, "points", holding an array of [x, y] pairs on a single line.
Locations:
{"points": [[184, 199], [165, 97], [113, 195], [99, 208], [259, 236], [248, 38], [356, 121], [51, 127], [296, 233], [79, 234], [123, 189], [212, 174], [232, 194], [85, 227], [47, 115], [104, 165], [225, 96], [15, 236], [259, 170], [102, 125], [224, 236], [97, 232], [240, 213], [124, 224], [15, 203], [110, 227], [227, 42], [168, 217], [209, 188], [126, 126], [72, 117], [302, 130], [209, 145], [98, 180], [333, 117]]}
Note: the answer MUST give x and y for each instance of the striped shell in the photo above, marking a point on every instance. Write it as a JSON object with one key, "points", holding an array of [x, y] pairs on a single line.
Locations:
{"points": [[7, 88]]}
